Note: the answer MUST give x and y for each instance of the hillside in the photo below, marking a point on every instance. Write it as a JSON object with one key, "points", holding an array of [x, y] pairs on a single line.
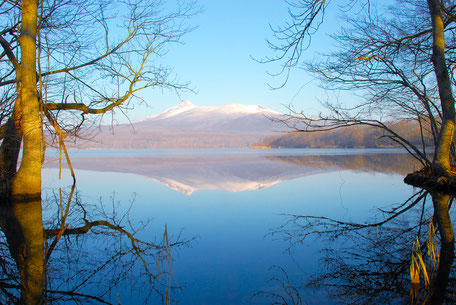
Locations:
{"points": [[190, 126], [234, 126], [353, 136]]}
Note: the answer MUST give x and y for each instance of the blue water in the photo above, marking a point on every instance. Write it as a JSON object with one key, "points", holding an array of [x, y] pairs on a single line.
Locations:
{"points": [[231, 252]]}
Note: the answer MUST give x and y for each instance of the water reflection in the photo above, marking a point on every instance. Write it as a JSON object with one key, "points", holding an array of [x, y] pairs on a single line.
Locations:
{"points": [[229, 262], [82, 253], [391, 163], [239, 172], [393, 259], [22, 227]]}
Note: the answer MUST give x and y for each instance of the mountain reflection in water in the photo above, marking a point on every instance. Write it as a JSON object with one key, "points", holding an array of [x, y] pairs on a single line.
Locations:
{"points": [[240, 172], [239, 235]]}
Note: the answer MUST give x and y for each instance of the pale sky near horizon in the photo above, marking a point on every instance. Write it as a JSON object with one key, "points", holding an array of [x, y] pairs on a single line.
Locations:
{"points": [[216, 58]]}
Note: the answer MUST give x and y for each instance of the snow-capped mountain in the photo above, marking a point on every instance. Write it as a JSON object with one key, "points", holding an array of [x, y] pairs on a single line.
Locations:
{"points": [[231, 109], [190, 126], [182, 107], [228, 118]]}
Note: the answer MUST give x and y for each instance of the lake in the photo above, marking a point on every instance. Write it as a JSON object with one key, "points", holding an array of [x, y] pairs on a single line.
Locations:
{"points": [[226, 212]]}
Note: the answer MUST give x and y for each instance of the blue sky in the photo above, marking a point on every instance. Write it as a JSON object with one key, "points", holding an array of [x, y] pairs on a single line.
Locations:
{"points": [[216, 59]]}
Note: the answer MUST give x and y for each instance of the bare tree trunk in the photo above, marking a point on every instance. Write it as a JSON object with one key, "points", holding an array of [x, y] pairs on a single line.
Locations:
{"points": [[26, 183], [442, 164], [445, 226]]}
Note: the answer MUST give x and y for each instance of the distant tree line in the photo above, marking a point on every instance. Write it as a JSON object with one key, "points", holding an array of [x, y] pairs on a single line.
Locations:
{"points": [[395, 61], [356, 136]]}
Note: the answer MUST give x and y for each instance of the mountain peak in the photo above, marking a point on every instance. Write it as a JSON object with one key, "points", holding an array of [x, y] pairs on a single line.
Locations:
{"points": [[186, 103], [230, 109], [188, 126], [184, 106]]}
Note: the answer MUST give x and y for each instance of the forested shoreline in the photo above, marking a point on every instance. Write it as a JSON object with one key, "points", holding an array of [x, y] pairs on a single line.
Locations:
{"points": [[357, 136]]}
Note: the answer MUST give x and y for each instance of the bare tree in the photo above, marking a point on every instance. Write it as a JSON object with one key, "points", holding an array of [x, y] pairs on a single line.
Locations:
{"points": [[373, 262], [91, 252], [399, 60], [62, 61], [383, 55], [89, 58]]}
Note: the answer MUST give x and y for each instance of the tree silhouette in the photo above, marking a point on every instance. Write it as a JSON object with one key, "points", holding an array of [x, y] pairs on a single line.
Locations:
{"points": [[88, 256]]}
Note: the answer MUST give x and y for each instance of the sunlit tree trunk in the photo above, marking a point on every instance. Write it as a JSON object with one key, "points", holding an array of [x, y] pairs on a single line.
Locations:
{"points": [[26, 183], [442, 164]]}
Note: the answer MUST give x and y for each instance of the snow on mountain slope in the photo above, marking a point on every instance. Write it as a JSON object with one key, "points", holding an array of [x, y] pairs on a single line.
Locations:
{"points": [[231, 109], [227, 118], [190, 126], [182, 107]]}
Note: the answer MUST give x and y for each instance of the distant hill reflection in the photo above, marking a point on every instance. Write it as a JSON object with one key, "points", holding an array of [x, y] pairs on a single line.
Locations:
{"points": [[389, 163], [187, 173]]}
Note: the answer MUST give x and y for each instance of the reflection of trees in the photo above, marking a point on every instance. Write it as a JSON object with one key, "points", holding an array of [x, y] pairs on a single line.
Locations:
{"points": [[96, 254], [62, 62], [397, 83], [387, 261], [23, 235], [382, 162], [286, 293]]}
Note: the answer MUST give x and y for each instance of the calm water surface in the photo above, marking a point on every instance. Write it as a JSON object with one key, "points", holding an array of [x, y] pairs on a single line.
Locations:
{"points": [[226, 203]]}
